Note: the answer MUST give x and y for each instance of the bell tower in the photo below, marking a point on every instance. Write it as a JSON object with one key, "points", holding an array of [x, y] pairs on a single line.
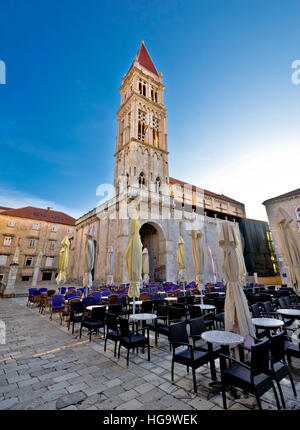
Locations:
{"points": [[141, 156]]}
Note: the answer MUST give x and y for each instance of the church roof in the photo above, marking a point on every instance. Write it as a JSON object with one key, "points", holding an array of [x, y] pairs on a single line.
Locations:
{"points": [[144, 59], [293, 193], [206, 192], [40, 214]]}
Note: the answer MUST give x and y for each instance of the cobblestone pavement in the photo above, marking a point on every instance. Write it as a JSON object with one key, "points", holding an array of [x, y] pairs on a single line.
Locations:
{"points": [[43, 366]]}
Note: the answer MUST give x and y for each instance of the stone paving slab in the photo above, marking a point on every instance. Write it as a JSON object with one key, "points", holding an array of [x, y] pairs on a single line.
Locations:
{"points": [[43, 366]]}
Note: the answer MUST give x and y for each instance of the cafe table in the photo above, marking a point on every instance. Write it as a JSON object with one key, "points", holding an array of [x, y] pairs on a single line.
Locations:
{"points": [[291, 313], [269, 324], [226, 339], [171, 299]]}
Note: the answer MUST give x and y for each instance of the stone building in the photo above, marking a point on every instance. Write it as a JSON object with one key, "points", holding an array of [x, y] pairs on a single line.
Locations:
{"points": [[39, 233], [166, 207], [285, 206]]}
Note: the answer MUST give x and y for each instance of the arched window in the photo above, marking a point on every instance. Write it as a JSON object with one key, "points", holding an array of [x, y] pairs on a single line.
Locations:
{"points": [[157, 185], [298, 216], [141, 180]]}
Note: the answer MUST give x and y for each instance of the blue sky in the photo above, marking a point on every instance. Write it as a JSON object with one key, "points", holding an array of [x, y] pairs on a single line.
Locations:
{"points": [[233, 111]]}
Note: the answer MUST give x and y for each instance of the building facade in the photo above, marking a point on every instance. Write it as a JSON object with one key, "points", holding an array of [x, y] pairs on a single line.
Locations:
{"points": [[282, 211], [166, 207], [39, 233]]}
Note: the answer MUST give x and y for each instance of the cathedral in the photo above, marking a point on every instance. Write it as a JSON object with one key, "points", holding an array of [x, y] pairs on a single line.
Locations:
{"points": [[165, 207]]}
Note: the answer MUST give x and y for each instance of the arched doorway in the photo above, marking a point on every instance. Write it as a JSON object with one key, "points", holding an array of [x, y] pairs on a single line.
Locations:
{"points": [[152, 238]]}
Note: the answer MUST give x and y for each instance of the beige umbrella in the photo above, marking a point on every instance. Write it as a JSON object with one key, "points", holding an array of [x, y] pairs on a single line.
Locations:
{"points": [[89, 257], [242, 265], [181, 258], [63, 261], [198, 259], [133, 258], [290, 247], [237, 314]]}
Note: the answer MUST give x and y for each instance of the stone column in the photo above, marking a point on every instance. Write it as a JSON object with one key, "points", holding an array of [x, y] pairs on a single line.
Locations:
{"points": [[37, 270]]}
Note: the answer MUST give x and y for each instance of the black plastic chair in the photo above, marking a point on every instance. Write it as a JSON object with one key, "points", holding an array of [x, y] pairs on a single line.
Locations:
{"points": [[252, 377], [112, 330], [147, 306], [115, 309], [256, 313], [197, 327], [290, 304], [194, 311], [94, 322], [279, 368], [76, 313], [131, 339], [189, 357], [160, 323]]}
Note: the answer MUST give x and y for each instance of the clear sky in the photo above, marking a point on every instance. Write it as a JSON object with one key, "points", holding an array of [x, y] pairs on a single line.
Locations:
{"points": [[233, 111]]}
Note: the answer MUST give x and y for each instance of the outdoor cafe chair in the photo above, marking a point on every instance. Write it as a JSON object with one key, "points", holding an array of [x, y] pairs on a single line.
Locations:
{"points": [[112, 299], [278, 367], [116, 309], [112, 330], [252, 377], [257, 313], [290, 304], [90, 301], [57, 305], [146, 307], [93, 322], [76, 312], [43, 302], [161, 322], [131, 339], [189, 356], [197, 327]]}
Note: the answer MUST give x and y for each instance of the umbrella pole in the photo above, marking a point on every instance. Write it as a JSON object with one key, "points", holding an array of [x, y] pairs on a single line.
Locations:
{"points": [[133, 305]]}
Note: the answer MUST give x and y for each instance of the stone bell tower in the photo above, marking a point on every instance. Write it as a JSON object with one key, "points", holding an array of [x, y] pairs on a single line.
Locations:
{"points": [[141, 156]]}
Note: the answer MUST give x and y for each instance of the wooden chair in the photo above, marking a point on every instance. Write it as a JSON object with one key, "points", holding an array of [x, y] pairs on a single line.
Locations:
{"points": [[112, 299]]}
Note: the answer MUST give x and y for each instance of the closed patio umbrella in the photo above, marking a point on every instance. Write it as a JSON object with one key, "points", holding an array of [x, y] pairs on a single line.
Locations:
{"points": [[89, 257], [63, 261], [133, 259], [181, 258], [146, 266], [198, 259], [290, 246], [237, 315]]}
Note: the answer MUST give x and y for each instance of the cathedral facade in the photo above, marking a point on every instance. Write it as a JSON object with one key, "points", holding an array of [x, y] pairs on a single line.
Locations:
{"points": [[166, 207]]}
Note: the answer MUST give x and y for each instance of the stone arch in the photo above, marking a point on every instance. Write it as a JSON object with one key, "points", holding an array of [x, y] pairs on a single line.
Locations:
{"points": [[153, 238]]}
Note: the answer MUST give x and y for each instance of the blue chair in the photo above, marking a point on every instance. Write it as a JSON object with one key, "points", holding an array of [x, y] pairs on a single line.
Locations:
{"points": [[57, 305], [62, 290], [70, 295]]}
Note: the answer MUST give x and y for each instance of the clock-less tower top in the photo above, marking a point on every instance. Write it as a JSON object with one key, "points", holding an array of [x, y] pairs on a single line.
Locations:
{"points": [[141, 157]]}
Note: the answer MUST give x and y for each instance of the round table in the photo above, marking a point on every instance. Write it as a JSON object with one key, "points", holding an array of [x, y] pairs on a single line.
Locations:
{"points": [[293, 313], [225, 339], [267, 323], [171, 299], [89, 308], [142, 317], [206, 307]]}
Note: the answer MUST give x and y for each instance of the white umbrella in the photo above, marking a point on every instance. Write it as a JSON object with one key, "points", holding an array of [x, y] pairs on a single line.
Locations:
{"points": [[110, 265], [290, 246], [198, 259], [237, 314], [146, 266], [181, 259], [89, 257]]}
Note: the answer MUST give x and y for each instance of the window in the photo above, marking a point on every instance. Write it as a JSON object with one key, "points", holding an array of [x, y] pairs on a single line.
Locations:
{"points": [[49, 261], [141, 180], [7, 241], [298, 216], [36, 213], [69, 230], [25, 278], [51, 244], [11, 223], [31, 243], [53, 216], [155, 125], [46, 276], [157, 185], [28, 261], [36, 226], [60, 218], [154, 94], [3, 260], [54, 228], [1, 277], [142, 87]]}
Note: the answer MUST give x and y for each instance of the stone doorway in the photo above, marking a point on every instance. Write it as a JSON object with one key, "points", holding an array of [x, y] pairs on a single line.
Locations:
{"points": [[153, 239]]}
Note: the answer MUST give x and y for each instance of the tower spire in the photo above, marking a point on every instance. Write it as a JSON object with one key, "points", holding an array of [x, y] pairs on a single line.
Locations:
{"points": [[144, 59]]}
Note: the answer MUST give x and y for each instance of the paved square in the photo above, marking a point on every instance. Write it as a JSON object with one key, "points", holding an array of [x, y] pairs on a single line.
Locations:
{"points": [[43, 366]]}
